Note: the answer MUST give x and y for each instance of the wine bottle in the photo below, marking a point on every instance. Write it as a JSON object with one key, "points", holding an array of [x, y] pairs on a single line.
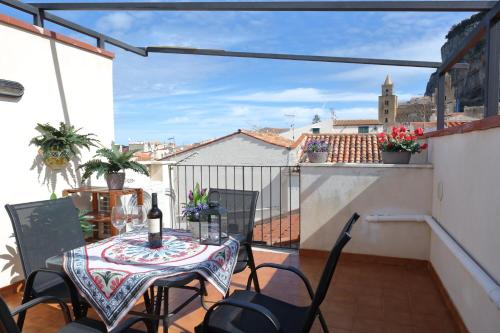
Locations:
{"points": [[155, 223]]}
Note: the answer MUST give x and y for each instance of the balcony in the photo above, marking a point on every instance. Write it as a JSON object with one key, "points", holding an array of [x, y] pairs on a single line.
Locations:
{"points": [[424, 255], [367, 295]]}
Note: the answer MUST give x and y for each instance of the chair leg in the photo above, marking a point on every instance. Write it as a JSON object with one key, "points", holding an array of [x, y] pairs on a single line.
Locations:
{"points": [[251, 264], [157, 307], [165, 310], [322, 322], [22, 316], [84, 308]]}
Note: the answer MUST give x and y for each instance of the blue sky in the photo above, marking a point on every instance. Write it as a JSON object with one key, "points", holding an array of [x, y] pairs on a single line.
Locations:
{"points": [[193, 98]]}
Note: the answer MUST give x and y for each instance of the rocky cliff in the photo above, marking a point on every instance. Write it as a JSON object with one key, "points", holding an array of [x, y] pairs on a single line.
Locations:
{"points": [[467, 83]]}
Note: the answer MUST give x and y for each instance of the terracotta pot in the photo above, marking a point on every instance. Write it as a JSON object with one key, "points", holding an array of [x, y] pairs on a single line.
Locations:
{"points": [[396, 157], [115, 180], [317, 157]]}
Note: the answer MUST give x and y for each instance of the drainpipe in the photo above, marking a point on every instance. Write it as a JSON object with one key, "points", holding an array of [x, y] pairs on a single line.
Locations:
{"points": [[482, 277]]}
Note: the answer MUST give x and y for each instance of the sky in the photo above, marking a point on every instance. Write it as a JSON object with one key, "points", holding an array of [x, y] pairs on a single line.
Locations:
{"points": [[193, 98]]}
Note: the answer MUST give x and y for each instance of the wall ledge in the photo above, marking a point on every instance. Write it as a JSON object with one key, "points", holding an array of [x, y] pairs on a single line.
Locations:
{"points": [[13, 22], [477, 125], [483, 278], [368, 165]]}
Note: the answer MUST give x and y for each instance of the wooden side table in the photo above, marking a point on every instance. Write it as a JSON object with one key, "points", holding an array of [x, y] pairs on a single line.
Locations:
{"points": [[96, 216]]}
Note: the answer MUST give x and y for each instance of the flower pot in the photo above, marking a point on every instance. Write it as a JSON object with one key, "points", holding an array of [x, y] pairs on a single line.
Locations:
{"points": [[317, 157], [54, 161], [396, 157], [115, 180]]}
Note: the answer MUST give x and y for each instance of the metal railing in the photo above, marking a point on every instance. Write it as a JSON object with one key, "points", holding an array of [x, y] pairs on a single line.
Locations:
{"points": [[277, 215]]}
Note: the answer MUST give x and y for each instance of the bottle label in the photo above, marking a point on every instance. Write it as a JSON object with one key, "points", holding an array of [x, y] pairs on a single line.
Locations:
{"points": [[154, 225]]}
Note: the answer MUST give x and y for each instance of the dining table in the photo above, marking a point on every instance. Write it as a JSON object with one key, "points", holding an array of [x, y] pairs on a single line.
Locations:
{"points": [[114, 273]]}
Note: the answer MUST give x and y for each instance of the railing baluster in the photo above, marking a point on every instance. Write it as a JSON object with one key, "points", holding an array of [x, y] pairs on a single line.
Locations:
{"points": [[178, 197], [280, 206], [270, 206], [244, 198], [290, 204], [261, 207]]}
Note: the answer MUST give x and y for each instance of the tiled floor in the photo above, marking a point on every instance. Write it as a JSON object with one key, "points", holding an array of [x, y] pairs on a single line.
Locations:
{"points": [[364, 297]]}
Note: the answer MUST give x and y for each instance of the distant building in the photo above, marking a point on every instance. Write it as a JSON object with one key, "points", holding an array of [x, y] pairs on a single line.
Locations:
{"points": [[421, 109], [356, 126], [387, 103], [345, 126]]}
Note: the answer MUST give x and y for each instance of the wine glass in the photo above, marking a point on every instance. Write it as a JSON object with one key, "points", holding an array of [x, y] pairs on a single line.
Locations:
{"points": [[118, 218], [138, 217]]}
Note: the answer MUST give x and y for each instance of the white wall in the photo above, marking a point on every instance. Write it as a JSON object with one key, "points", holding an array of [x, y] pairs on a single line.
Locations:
{"points": [[62, 83], [466, 201], [331, 194]]}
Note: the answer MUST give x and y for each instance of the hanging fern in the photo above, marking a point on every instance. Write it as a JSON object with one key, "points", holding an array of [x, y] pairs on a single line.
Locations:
{"points": [[116, 161], [64, 142]]}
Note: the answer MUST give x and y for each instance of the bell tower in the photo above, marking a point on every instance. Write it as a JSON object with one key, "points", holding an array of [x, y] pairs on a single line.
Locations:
{"points": [[387, 103]]}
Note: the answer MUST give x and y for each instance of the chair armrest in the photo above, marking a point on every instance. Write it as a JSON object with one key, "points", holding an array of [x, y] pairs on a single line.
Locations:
{"points": [[127, 324], [40, 300], [259, 309], [73, 293], [285, 268]]}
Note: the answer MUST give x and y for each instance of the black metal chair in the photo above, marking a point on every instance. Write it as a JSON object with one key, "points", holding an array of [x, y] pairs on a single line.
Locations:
{"points": [[241, 206], [82, 325], [44, 229], [48, 228], [248, 311]]}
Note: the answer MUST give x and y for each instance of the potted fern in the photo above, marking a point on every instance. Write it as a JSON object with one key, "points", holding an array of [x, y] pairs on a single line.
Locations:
{"points": [[113, 168], [59, 145]]}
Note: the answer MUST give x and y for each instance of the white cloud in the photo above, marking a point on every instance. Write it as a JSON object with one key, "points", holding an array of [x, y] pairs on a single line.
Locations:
{"points": [[178, 120], [357, 113], [115, 22], [304, 95]]}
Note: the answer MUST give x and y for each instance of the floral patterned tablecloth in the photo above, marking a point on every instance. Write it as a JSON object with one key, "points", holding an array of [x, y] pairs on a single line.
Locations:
{"points": [[114, 273]]}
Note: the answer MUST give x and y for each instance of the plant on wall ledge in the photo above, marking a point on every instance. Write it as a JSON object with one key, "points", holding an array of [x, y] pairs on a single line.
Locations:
{"points": [[400, 143], [116, 162], [59, 145]]}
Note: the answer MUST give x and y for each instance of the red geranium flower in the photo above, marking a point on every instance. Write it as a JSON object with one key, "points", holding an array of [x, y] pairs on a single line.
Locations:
{"points": [[402, 129], [424, 146], [419, 131]]}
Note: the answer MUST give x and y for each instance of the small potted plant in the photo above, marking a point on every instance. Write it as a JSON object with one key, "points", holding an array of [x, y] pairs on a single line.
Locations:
{"points": [[198, 201], [58, 146], [113, 168], [399, 144], [317, 151]]}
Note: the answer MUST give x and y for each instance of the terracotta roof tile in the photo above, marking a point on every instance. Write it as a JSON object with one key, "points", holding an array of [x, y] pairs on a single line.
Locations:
{"points": [[274, 139], [347, 148]]}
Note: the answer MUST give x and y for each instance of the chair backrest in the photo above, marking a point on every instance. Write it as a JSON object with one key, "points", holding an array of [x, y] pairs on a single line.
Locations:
{"points": [[331, 264], [240, 206], [44, 229], [7, 324]]}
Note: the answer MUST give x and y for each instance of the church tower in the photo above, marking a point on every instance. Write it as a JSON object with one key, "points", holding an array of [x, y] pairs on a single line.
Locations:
{"points": [[387, 104]]}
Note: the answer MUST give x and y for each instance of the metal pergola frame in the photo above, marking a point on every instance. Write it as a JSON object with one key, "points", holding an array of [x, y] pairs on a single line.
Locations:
{"points": [[488, 28]]}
